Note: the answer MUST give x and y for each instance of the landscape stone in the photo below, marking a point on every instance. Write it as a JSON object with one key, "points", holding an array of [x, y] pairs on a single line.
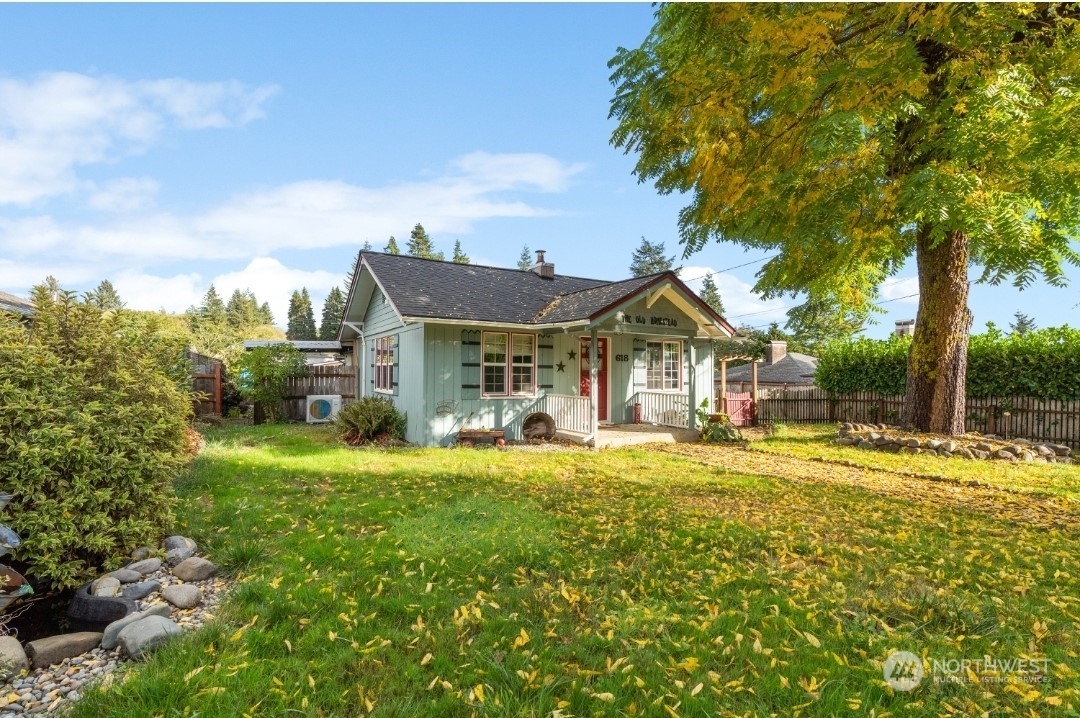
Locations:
{"points": [[983, 446], [882, 440], [934, 444], [137, 591], [105, 586], [13, 660], [979, 453], [1003, 454], [182, 596], [874, 436], [173, 542], [145, 566], [864, 444], [125, 575], [913, 443], [950, 446], [1027, 455], [892, 447], [140, 553], [110, 638], [144, 636], [47, 651], [846, 440], [175, 556], [1044, 450], [194, 569]]}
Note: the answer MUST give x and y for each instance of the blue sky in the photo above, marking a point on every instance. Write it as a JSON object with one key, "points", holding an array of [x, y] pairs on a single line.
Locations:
{"points": [[165, 147]]}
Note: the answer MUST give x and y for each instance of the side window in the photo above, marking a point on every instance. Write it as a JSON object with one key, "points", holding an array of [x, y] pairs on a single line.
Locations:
{"points": [[385, 361]]}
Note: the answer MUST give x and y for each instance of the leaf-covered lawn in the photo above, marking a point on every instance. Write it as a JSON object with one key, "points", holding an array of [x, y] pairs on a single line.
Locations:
{"points": [[443, 582]]}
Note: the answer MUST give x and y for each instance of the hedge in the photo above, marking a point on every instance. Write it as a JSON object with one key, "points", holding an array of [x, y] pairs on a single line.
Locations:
{"points": [[1044, 364]]}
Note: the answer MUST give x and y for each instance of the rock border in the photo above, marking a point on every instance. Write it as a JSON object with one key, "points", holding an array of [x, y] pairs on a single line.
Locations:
{"points": [[892, 439]]}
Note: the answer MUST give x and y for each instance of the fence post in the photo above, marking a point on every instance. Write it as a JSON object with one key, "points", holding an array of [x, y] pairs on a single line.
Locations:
{"points": [[753, 393], [218, 408]]}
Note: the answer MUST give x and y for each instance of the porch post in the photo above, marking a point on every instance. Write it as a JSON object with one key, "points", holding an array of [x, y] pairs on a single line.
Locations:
{"points": [[723, 386], [594, 375], [691, 416]]}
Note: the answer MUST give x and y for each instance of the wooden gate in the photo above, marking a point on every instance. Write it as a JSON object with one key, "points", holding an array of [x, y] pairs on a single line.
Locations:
{"points": [[739, 407]]}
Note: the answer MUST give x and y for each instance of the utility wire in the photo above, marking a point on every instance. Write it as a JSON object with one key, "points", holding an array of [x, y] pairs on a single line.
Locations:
{"points": [[759, 326]]}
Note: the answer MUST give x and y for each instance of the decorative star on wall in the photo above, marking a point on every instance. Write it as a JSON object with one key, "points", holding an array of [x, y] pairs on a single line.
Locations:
{"points": [[572, 354], [560, 366]]}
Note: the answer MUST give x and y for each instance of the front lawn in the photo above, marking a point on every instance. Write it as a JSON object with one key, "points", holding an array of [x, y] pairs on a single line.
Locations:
{"points": [[436, 582]]}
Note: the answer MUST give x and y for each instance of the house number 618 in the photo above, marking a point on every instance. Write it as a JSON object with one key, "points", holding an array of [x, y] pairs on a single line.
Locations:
{"points": [[622, 357]]}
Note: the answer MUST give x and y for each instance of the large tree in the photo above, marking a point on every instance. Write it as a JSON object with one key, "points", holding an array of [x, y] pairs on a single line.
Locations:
{"points": [[301, 316], [650, 258], [420, 244], [332, 311], [459, 254], [525, 260], [105, 297], [711, 295], [847, 138]]}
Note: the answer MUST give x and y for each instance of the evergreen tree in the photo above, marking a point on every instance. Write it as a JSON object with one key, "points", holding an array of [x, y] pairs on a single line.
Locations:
{"points": [[459, 256], [420, 244], [242, 309], [366, 247], [104, 297], [711, 295], [391, 246], [212, 309], [354, 265], [525, 258], [264, 315], [333, 309], [1023, 324], [649, 258], [301, 317], [821, 320]]}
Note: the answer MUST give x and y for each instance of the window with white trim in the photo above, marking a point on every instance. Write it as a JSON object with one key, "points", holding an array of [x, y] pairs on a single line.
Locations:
{"points": [[663, 366], [509, 364], [385, 359]]}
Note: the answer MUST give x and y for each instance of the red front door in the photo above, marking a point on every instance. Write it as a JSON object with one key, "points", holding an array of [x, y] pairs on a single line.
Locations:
{"points": [[601, 377]]}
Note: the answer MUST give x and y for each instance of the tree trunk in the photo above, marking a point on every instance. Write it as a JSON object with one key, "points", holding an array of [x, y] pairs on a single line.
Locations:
{"points": [[937, 361]]}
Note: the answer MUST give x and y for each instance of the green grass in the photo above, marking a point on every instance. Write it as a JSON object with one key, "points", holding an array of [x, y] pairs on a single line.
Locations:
{"points": [[448, 582]]}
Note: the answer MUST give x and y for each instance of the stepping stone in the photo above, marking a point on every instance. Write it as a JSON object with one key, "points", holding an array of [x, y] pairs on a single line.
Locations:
{"points": [[145, 566], [142, 637], [194, 569]]}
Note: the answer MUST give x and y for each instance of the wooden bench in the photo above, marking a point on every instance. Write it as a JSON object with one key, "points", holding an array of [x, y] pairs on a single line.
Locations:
{"points": [[466, 437]]}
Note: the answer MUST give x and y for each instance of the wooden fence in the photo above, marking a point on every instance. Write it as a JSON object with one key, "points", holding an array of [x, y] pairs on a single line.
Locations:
{"points": [[329, 379], [206, 378], [1023, 417]]}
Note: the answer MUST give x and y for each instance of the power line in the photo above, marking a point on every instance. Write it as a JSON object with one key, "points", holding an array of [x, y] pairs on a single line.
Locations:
{"points": [[720, 271], [759, 326]]}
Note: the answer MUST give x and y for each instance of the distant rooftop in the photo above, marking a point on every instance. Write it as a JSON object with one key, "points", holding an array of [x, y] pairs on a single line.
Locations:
{"points": [[11, 303], [302, 345]]}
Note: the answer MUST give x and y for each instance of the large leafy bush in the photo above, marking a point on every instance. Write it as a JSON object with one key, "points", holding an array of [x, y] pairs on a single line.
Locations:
{"points": [[1044, 364], [262, 374], [91, 435]]}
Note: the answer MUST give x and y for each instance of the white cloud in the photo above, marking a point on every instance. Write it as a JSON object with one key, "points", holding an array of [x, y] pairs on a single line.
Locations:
{"points": [[741, 304], [54, 123], [273, 282], [901, 290], [151, 292], [127, 194], [511, 171]]}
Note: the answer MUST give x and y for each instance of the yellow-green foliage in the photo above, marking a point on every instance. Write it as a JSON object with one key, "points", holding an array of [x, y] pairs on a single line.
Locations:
{"points": [[91, 435]]}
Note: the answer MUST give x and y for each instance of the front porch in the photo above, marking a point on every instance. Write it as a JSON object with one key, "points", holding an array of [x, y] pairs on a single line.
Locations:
{"points": [[615, 435]]}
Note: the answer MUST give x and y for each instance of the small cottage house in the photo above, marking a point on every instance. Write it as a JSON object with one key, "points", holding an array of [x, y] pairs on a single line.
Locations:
{"points": [[461, 346]]}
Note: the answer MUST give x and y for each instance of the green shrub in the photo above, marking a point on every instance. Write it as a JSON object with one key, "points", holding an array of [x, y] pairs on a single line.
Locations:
{"points": [[92, 434], [371, 418], [716, 432], [262, 373]]}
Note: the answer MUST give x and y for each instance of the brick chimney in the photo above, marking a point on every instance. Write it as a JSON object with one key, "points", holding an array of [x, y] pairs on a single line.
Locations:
{"points": [[775, 351], [545, 269]]}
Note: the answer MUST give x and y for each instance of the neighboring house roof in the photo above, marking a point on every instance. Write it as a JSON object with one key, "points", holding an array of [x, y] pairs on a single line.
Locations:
{"points": [[793, 368], [433, 289], [11, 303], [302, 345]]}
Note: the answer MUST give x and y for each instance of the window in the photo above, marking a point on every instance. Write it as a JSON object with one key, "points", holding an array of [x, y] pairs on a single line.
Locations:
{"points": [[385, 359], [509, 364], [663, 366]]}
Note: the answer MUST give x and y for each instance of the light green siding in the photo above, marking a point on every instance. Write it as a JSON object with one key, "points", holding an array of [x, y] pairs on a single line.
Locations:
{"points": [[380, 317]]}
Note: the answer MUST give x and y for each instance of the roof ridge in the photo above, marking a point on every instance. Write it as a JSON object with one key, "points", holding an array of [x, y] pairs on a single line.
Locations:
{"points": [[481, 266]]}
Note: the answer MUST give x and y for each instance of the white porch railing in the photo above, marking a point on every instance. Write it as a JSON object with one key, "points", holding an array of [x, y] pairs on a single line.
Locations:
{"points": [[662, 408], [569, 412]]}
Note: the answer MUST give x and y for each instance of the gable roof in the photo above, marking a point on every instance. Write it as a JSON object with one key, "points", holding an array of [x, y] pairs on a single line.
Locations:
{"points": [[11, 303], [793, 368], [420, 289]]}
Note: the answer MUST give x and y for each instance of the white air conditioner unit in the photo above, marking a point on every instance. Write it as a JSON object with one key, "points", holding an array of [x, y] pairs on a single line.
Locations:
{"points": [[322, 408]]}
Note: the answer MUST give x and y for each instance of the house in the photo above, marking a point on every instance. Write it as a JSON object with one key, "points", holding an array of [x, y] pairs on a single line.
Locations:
{"points": [[780, 368], [462, 346], [17, 305], [316, 352]]}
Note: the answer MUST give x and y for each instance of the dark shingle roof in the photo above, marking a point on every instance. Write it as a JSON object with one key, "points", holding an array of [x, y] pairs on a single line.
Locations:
{"points": [[444, 290], [583, 304], [793, 368], [11, 303]]}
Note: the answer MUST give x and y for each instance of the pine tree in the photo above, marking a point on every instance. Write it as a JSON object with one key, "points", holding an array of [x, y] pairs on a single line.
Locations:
{"points": [[459, 256], [420, 244], [525, 258], [711, 295], [649, 258], [366, 247], [301, 317], [212, 310], [265, 316], [104, 297], [1023, 324], [353, 266], [240, 310], [391, 246], [333, 309]]}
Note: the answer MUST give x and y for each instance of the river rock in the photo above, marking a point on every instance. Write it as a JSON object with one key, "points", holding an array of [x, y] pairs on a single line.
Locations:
{"points": [[174, 542], [182, 595], [144, 636], [110, 638], [13, 660], [950, 446], [125, 575], [846, 440], [864, 444], [194, 569], [142, 552], [979, 453], [138, 591], [47, 651], [106, 586], [145, 566]]}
